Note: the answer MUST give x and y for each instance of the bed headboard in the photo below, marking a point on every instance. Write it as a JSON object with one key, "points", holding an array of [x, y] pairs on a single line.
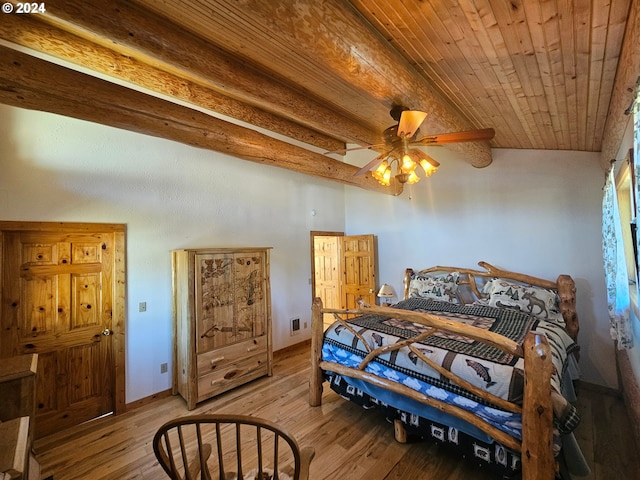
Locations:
{"points": [[471, 283]]}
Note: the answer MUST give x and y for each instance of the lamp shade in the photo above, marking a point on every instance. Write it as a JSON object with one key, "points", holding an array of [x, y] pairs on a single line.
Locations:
{"points": [[386, 291]]}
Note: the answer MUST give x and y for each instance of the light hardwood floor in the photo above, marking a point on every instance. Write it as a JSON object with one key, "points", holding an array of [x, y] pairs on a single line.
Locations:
{"points": [[350, 443]]}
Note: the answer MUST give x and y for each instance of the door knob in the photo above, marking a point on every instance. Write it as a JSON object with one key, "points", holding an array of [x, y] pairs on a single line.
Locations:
{"points": [[106, 332]]}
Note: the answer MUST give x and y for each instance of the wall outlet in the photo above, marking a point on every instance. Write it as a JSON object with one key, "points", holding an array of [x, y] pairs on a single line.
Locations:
{"points": [[295, 326], [164, 367], [142, 307]]}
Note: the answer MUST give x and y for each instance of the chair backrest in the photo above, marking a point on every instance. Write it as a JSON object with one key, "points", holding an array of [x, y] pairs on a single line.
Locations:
{"points": [[227, 447]]}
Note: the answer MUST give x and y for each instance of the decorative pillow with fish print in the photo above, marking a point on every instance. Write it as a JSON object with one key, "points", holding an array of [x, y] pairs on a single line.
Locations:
{"points": [[536, 301], [436, 287]]}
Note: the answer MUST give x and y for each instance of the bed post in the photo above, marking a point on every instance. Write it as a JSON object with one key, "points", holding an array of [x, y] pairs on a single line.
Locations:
{"points": [[317, 331], [567, 304], [538, 462], [407, 281]]}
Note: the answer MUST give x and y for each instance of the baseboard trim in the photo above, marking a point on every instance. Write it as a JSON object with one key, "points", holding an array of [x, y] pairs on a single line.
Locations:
{"points": [[593, 387], [147, 400], [167, 393], [292, 348]]}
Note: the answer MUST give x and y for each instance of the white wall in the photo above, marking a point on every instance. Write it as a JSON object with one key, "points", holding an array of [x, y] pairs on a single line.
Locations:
{"points": [[170, 196], [529, 211]]}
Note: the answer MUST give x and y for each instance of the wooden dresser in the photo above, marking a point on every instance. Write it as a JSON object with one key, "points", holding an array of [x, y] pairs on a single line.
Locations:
{"points": [[222, 320]]}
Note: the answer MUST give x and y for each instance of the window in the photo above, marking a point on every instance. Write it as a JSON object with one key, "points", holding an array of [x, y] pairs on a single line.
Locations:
{"points": [[620, 217], [627, 212]]}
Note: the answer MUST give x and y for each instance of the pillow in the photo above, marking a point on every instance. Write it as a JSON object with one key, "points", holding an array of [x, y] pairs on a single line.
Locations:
{"points": [[442, 287], [536, 301]]}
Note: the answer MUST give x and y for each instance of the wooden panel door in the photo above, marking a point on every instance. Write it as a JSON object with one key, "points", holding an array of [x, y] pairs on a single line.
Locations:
{"points": [[359, 280], [327, 272], [58, 301], [343, 270]]}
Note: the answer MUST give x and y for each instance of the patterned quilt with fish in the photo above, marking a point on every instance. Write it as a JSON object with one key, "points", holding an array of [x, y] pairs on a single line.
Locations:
{"points": [[483, 366]]}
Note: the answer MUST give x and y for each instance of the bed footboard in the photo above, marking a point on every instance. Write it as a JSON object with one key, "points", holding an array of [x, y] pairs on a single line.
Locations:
{"points": [[536, 447]]}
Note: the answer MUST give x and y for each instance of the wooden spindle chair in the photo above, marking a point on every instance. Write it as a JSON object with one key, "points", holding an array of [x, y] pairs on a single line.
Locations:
{"points": [[256, 448]]}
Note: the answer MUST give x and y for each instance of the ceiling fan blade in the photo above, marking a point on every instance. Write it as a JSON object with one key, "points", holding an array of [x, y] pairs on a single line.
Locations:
{"points": [[372, 163], [410, 121], [366, 147], [468, 136]]}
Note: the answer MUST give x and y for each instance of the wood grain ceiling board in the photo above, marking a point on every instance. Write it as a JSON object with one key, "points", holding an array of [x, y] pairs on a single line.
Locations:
{"points": [[327, 48], [276, 35], [541, 73]]}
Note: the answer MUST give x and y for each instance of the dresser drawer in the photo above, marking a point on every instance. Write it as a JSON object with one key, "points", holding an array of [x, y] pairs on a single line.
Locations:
{"points": [[232, 375], [219, 358]]}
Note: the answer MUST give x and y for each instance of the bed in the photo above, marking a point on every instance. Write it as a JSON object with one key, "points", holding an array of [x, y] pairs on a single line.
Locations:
{"points": [[482, 361]]}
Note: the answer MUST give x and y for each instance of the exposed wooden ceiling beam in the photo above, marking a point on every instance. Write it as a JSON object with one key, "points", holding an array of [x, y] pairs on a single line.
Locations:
{"points": [[365, 58], [32, 83], [333, 35], [28, 31], [148, 38], [624, 89]]}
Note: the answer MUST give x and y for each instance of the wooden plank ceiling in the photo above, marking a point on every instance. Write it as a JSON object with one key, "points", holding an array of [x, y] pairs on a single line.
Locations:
{"points": [[553, 74]]}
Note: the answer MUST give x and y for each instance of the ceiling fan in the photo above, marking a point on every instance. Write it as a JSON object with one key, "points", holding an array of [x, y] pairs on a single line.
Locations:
{"points": [[398, 151]]}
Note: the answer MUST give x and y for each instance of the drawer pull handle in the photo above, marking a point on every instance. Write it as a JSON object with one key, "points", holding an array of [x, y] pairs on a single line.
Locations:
{"points": [[216, 360], [252, 348], [232, 374], [228, 376]]}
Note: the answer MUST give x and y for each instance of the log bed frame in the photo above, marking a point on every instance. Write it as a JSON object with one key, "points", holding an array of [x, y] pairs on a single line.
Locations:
{"points": [[539, 403]]}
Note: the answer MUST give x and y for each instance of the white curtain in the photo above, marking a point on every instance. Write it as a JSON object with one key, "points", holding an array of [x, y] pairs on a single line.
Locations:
{"points": [[615, 267]]}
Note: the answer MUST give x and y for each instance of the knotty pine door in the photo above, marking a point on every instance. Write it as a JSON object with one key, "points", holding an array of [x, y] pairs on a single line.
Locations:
{"points": [[358, 277], [62, 298], [343, 270]]}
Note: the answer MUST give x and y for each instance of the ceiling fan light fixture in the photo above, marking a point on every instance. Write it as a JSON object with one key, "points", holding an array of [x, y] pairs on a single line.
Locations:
{"points": [[378, 173], [408, 163], [429, 165], [397, 149], [402, 177], [386, 177], [413, 178]]}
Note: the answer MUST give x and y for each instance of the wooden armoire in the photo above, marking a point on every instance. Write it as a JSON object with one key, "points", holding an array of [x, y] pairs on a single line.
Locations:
{"points": [[222, 320]]}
